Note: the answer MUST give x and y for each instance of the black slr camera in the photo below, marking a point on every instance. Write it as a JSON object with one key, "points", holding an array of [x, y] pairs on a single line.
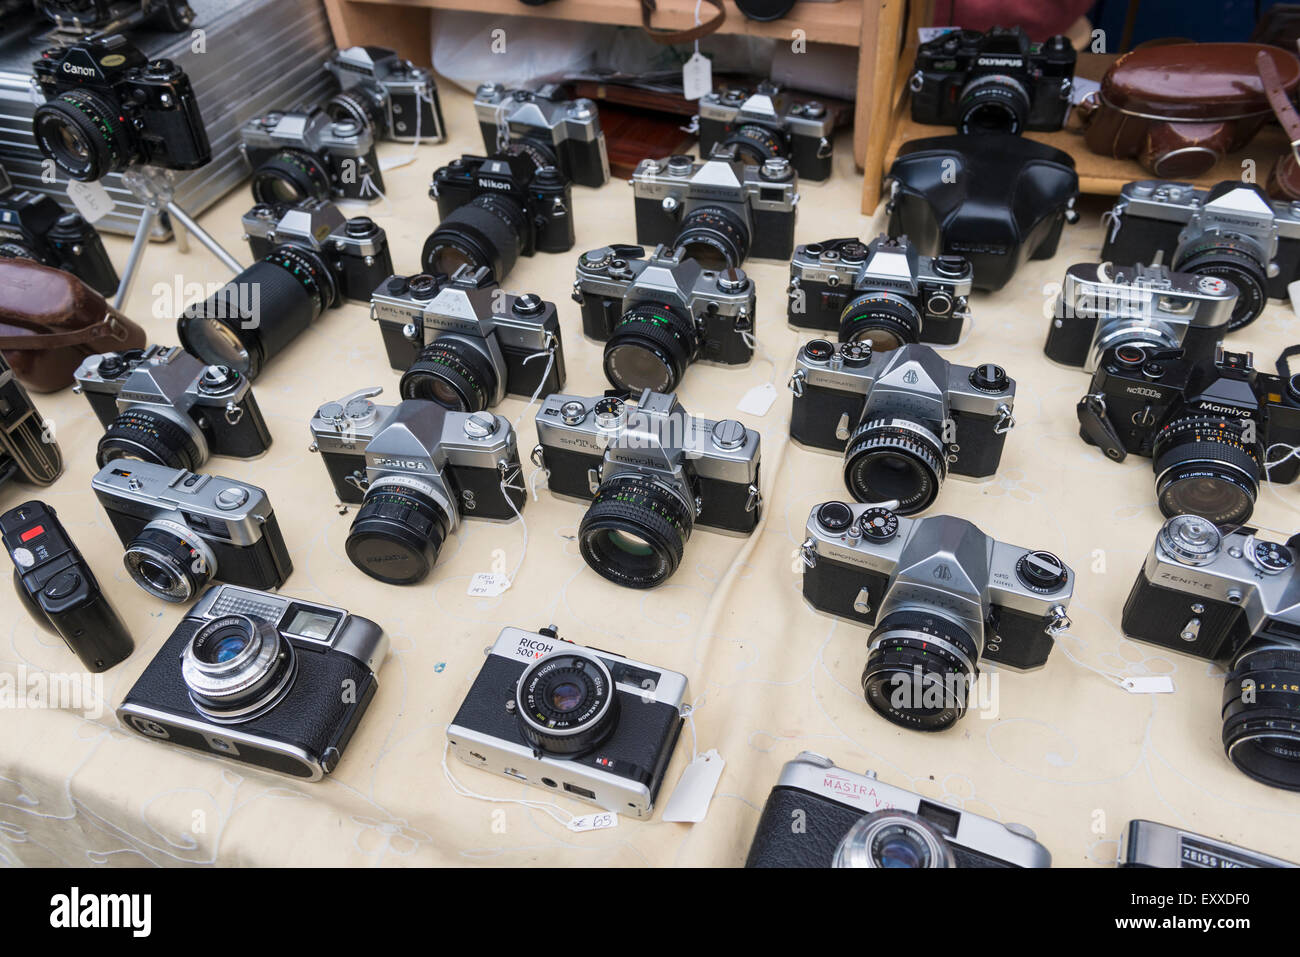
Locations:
{"points": [[764, 125], [28, 451], [33, 226], [558, 132], [115, 16], [108, 107], [297, 155], [392, 97]]}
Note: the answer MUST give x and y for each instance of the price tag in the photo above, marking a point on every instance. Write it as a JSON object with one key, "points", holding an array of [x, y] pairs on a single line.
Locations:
{"points": [[926, 34], [1080, 87], [1148, 684], [694, 792], [758, 399], [594, 822], [697, 76], [91, 199], [487, 585]]}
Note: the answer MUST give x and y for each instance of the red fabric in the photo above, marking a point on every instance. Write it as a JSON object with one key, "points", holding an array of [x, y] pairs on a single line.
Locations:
{"points": [[1038, 19]]}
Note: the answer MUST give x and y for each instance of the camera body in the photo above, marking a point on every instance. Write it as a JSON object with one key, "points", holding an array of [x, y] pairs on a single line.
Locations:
{"points": [[28, 451], [1149, 844], [611, 748], [561, 132], [394, 98], [293, 657], [763, 124], [113, 16], [308, 154], [33, 226]]}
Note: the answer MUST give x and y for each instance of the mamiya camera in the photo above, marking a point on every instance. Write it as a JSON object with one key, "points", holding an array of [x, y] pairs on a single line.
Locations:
{"points": [[391, 97], [658, 315], [854, 820], [762, 125], [416, 469], [33, 226], [1232, 231], [466, 346], [905, 420], [256, 677], [995, 82], [562, 133], [182, 530], [884, 292], [108, 107], [114, 16], [721, 211], [652, 473], [589, 723], [311, 155], [1148, 844], [941, 596], [1212, 430], [28, 452]]}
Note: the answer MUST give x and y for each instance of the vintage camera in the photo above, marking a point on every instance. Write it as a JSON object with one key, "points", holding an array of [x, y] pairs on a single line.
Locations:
{"points": [[416, 469], [108, 107], [1228, 595], [941, 596], [720, 211], [28, 452], [592, 724], [1232, 231], [905, 420], [116, 16], [1148, 844], [764, 125], [854, 820], [656, 316], [1212, 430], [883, 292], [1102, 306], [182, 530], [255, 677], [559, 132], [465, 345], [33, 226], [300, 155], [393, 98], [307, 258], [652, 473]]}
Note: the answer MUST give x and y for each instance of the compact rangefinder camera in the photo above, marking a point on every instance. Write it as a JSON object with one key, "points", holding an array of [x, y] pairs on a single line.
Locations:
{"points": [[28, 451], [256, 678], [941, 596], [392, 98], [415, 469], [298, 155], [883, 292], [1229, 595], [854, 820], [108, 107], [657, 315], [1148, 844], [652, 473], [585, 722], [465, 345], [995, 82], [80, 17], [763, 124], [559, 132], [720, 211], [182, 530], [33, 226]]}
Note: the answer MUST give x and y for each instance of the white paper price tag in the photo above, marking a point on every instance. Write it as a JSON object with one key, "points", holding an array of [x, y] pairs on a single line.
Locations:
{"points": [[91, 199], [694, 792], [1148, 684], [594, 822], [697, 76], [758, 399], [487, 585], [1080, 87], [926, 34]]}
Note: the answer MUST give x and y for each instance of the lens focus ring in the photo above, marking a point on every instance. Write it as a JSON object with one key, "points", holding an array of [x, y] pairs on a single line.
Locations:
{"points": [[650, 348], [566, 703], [919, 670], [635, 531], [895, 460], [1261, 714], [1203, 467]]}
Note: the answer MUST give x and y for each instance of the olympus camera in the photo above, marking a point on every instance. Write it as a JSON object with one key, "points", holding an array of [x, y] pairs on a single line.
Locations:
{"points": [[588, 723], [941, 596], [1148, 844], [311, 155], [559, 132], [28, 452], [762, 125], [33, 226], [256, 678], [651, 473], [392, 98], [78, 17]]}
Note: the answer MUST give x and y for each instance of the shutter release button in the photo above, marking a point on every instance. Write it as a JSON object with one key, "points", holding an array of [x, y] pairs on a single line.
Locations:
{"points": [[229, 498]]}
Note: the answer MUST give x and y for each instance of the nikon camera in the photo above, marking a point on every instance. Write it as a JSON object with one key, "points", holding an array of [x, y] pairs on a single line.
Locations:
{"points": [[763, 125], [562, 133], [297, 155], [392, 98], [33, 226]]}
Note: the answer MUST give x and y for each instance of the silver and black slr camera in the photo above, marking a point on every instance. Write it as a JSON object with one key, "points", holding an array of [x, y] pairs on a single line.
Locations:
{"points": [[764, 124], [393, 98], [560, 132], [658, 315], [309, 154], [651, 473], [415, 469], [904, 420], [1230, 596], [1149, 844], [588, 723], [183, 530], [884, 292], [33, 226], [855, 820], [941, 596], [28, 452], [259, 678]]}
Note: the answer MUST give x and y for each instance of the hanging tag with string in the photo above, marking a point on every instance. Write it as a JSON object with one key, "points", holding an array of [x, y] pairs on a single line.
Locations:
{"points": [[697, 74]]}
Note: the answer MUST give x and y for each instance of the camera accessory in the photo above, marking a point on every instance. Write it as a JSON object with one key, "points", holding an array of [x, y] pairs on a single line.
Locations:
{"points": [[765, 124], [298, 156], [28, 451], [557, 131], [1148, 844], [391, 97]]}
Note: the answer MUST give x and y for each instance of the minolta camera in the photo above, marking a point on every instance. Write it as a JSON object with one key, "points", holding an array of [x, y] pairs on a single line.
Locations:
{"points": [[1102, 306], [941, 596], [652, 473], [415, 469], [1148, 844], [275, 682], [764, 125], [33, 226], [28, 452], [905, 420], [854, 820], [393, 98], [297, 155], [658, 315], [884, 292], [465, 345], [560, 132], [995, 82], [721, 211], [587, 723], [1232, 231], [1212, 430], [79, 17], [183, 530]]}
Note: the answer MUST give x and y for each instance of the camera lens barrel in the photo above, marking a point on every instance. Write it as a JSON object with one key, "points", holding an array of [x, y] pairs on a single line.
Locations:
{"points": [[84, 134], [756, 144], [893, 838], [397, 532], [1204, 467], [290, 176], [1261, 713], [714, 236], [237, 667], [567, 703], [920, 670], [454, 373], [895, 460], [488, 231], [993, 103], [150, 435], [884, 319], [170, 561], [635, 531], [1225, 259], [650, 348]]}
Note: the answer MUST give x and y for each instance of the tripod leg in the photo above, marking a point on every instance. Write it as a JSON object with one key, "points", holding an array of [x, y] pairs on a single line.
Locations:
{"points": [[199, 233], [147, 218], [182, 236]]}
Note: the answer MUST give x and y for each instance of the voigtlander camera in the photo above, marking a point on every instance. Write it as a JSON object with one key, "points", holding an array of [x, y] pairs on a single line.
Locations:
{"points": [[559, 132], [393, 98], [764, 124]]}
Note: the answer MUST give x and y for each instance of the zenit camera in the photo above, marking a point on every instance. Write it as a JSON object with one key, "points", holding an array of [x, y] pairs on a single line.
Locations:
{"points": [[393, 98], [33, 226], [299, 155], [559, 132], [1148, 844], [28, 452], [764, 124], [115, 16]]}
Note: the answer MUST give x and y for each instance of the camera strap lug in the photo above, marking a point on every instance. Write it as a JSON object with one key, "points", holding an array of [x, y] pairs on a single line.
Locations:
{"points": [[1006, 421], [916, 81], [1095, 427], [234, 413], [538, 457], [755, 499], [1191, 631], [823, 148], [842, 427], [796, 383], [593, 480], [862, 602], [577, 293], [1058, 621], [808, 552], [358, 481]]}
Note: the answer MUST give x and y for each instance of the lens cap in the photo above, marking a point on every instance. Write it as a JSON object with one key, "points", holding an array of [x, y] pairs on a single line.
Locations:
{"points": [[765, 9]]}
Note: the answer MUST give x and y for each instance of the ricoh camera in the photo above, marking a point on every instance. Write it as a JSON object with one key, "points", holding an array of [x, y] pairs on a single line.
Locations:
{"points": [[559, 132], [79, 17], [28, 452], [415, 469], [390, 97], [298, 155], [183, 530], [657, 315], [941, 596], [855, 820], [904, 420], [256, 678], [587, 723], [1149, 844], [652, 474], [764, 125], [883, 292], [33, 226]]}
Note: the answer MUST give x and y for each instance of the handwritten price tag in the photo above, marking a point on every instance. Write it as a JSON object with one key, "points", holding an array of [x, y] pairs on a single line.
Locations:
{"points": [[487, 585], [594, 822]]}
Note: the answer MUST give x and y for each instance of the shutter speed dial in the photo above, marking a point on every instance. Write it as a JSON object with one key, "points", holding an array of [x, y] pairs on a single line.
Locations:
{"points": [[1041, 572]]}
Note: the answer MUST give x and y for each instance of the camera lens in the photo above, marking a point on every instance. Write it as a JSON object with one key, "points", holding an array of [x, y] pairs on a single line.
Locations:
{"points": [[566, 703], [1234, 262], [650, 348], [486, 232], [1205, 467], [170, 561], [290, 176], [366, 112], [153, 435], [453, 372], [398, 531], [237, 667], [1261, 713], [895, 460], [756, 144], [883, 319], [893, 839], [920, 668], [635, 531], [714, 236], [992, 103], [84, 134]]}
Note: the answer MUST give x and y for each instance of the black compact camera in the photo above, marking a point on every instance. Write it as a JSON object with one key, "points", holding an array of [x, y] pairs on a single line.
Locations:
{"points": [[558, 132], [28, 451], [764, 124], [108, 107], [299, 155], [115, 16], [33, 226]]}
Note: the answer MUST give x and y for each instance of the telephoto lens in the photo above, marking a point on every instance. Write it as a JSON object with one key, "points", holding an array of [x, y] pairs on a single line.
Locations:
{"points": [[487, 232]]}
